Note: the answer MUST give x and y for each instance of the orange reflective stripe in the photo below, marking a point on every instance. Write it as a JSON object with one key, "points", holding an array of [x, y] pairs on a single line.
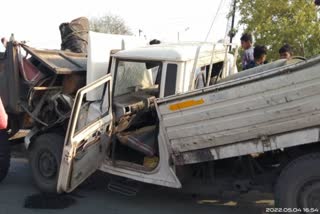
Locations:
{"points": [[186, 104]]}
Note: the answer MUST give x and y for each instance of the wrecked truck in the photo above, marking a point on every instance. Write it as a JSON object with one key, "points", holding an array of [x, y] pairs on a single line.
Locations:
{"points": [[198, 120], [38, 87], [173, 113]]}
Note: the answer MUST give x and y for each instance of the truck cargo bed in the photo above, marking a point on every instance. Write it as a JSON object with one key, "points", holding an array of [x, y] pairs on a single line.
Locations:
{"points": [[253, 106]]}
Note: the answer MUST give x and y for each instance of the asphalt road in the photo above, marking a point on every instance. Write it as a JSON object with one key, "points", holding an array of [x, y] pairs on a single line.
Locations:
{"points": [[96, 198]]}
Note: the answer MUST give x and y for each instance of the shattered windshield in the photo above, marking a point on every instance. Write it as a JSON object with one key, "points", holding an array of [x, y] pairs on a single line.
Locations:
{"points": [[132, 76]]}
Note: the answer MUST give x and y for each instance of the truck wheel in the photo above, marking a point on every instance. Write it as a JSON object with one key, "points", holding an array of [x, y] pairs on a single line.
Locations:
{"points": [[298, 185], [4, 154], [45, 157]]}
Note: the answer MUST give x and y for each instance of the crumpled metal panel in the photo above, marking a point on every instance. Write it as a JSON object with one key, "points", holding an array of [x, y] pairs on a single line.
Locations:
{"points": [[59, 62]]}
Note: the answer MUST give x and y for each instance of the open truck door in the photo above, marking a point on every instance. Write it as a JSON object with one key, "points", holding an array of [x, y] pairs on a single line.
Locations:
{"points": [[87, 135]]}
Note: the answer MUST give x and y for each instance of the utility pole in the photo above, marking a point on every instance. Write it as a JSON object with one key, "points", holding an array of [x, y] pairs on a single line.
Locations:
{"points": [[232, 33]]}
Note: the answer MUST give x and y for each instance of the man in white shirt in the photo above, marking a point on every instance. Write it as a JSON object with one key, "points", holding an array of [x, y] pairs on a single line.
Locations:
{"points": [[246, 44]]}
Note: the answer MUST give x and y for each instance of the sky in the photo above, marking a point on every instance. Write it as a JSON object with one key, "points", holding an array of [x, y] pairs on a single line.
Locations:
{"points": [[37, 22]]}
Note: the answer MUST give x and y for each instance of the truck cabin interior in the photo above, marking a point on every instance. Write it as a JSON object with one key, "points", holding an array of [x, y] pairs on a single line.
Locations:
{"points": [[135, 89], [137, 85]]}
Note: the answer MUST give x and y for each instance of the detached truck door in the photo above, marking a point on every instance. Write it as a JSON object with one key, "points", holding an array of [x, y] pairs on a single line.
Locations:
{"points": [[86, 138]]}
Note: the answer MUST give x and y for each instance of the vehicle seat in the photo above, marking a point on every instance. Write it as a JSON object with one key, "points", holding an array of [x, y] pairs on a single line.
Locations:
{"points": [[142, 140]]}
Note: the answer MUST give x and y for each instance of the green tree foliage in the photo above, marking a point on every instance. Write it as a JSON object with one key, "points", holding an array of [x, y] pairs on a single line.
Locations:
{"points": [[276, 22], [109, 23]]}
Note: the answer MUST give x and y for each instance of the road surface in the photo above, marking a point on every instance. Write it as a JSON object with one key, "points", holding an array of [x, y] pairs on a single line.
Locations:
{"points": [[96, 198]]}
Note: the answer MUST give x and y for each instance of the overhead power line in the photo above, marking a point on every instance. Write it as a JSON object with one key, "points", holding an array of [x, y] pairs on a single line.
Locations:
{"points": [[214, 18]]}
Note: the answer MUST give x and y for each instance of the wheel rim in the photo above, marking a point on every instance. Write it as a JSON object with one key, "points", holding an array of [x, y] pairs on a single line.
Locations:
{"points": [[47, 164], [309, 196]]}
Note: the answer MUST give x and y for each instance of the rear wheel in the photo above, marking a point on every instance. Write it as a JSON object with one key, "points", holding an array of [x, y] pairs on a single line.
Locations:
{"points": [[4, 154], [298, 185], [45, 157]]}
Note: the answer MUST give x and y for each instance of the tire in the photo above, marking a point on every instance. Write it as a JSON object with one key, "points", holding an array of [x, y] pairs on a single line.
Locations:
{"points": [[298, 185], [45, 157], [4, 154]]}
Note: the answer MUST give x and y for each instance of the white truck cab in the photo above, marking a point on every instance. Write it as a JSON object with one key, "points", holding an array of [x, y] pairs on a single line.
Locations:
{"points": [[121, 132]]}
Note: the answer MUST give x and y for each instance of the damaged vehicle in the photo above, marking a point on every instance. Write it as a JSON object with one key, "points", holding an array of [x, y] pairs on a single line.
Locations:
{"points": [[168, 113], [38, 87], [115, 125]]}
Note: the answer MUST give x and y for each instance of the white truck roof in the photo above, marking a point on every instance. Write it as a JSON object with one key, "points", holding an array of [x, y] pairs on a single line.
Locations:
{"points": [[183, 51]]}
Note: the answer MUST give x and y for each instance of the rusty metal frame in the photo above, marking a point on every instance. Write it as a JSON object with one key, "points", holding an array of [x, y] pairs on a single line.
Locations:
{"points": [[64, 54]]}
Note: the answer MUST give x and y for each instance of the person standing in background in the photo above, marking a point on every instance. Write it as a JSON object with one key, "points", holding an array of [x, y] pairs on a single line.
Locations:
{"points": [[285, 52], [260, 56], [246, 44]]}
